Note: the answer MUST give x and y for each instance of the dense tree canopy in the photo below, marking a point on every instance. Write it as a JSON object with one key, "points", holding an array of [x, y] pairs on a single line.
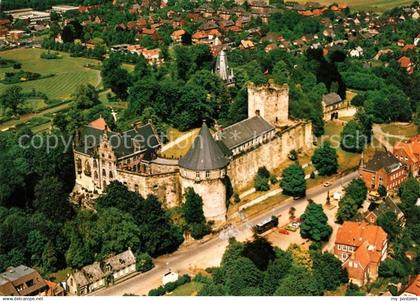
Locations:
{"points": [[325, 160], [293, 181]]}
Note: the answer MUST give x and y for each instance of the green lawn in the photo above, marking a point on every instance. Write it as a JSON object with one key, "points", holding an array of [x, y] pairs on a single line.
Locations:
{"points": [[69, 72], [375, 5], [188, 289]]}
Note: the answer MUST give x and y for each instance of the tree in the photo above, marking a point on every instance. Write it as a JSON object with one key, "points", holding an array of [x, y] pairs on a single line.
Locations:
{"points": [[409, 192], [347, 209], [260, 251], [353, 138], [382, 190], [193, 207], [49, 257], [393, 268], [390, 223], [276, 270], [315, 223], [325, 160], [299, 282], [241, 275], [192, 211], [115, 77], [144, 262], [293, 181], [86, 97], [329, 270], [51, 199], [261, 179], [12, 98]]}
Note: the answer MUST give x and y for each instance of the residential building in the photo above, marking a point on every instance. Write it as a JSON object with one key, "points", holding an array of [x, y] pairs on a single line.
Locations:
{"points": [[383, 169], [361, 247], [99, 274], [386, 205], [413, 287], [331, 104], [64, 8], [177, 35], [22, 281], [409, 154]]}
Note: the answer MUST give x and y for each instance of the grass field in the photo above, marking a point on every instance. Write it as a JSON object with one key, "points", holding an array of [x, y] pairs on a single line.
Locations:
{"points": [[69, 72], [188, 289], [375, 5]]}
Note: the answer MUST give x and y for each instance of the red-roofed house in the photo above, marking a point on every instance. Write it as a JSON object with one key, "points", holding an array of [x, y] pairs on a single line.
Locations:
{"points": [[408, 47], [413, 288], [361, 247], [409, 154], [406, 64], [99, 124], [176, 36], [153, 56]]}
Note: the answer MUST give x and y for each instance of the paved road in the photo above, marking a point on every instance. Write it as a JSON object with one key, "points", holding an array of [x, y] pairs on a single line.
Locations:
{"points": [[209, 253]]}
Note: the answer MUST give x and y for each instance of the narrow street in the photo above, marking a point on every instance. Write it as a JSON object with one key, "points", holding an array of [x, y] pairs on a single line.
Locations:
{"points": [[199, 254]]}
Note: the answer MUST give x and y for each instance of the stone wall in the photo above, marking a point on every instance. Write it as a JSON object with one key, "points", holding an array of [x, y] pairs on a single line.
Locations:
{"points": [[270, 101], [244, 167]]}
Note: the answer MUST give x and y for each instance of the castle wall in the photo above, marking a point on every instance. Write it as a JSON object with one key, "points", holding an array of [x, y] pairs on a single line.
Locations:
{"points": [[243, 168], [164, 186]]}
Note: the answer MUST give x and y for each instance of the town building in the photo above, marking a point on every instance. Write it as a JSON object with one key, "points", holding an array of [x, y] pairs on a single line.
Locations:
{"points": [[331, 104], [25, 281], [361, 247], [222, 68], [100, 274], [229, 156], [386, 205], [61, 9], [413, 287], [409, 153], [383, 169]]}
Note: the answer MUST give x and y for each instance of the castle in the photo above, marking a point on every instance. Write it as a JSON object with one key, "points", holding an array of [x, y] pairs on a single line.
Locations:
{"points": [[230, 156]]}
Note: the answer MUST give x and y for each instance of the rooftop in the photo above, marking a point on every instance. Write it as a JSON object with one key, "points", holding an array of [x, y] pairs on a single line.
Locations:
{"points": [[383, 159], [205, 153]]}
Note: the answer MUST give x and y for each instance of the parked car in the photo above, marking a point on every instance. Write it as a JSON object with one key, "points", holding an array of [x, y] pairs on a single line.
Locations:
{"points": [[327, 184]]}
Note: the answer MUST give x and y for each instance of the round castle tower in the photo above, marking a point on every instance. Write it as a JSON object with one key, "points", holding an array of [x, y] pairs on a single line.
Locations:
{"points": [[203, 168]]}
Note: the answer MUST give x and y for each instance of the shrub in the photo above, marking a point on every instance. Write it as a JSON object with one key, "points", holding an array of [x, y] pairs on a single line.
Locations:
{"points": [[236, 197], [273, 179], [169, 287], [261, 183], [144, 262], [198, 231]]}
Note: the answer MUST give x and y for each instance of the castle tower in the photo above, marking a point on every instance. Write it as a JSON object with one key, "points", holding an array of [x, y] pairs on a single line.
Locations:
{"points": [[222, 68], [203, 168], [270, 101]]}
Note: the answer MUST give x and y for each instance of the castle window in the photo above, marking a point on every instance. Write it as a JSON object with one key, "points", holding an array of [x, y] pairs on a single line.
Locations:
{"points": [[109, 156], [95, 164], [207, 174], [95, 175], [87, 168], [103, 173], [197, 174], [136, 187], [79, 165], [111, 176]]}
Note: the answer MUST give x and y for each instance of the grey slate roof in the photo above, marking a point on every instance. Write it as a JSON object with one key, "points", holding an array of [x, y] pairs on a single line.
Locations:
{"points": [[382, 159], [331, 98], [122, 143], [205, 153], [385, 206], [244, 131]]}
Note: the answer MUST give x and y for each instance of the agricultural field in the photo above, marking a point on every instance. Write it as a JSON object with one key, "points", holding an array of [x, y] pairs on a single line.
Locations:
{"points": [[374, 5], [69, 72]]}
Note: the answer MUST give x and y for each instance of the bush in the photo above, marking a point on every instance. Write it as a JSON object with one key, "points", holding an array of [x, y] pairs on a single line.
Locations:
{"points": [[261, 183], [169, 287], [198, 231], [273, 179], [236, 197], [144, 262], [201, 279], [51, 56]]}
